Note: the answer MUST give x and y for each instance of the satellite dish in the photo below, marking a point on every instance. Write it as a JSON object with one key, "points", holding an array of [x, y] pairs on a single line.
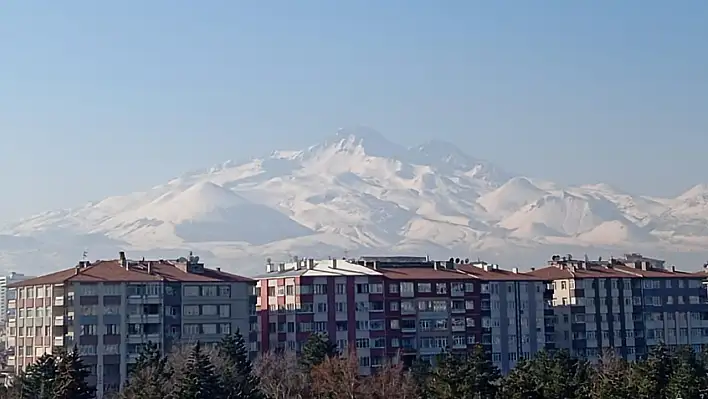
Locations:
{"points": [[457, 260], [196, 259], [467, 261]]}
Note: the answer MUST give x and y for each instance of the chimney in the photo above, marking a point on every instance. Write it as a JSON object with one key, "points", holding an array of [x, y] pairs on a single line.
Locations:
{"points": [[673, 268], [310, 263], [76, 271], [533, 269], [218, 269], [123, 260], [149, 267], [281, 267], [334, 263], [515, 270]]}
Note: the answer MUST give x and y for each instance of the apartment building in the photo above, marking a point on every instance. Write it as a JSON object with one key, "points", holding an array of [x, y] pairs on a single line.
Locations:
{"points": [[111, 309], [386, 307], [4, 282], [627, 304]]}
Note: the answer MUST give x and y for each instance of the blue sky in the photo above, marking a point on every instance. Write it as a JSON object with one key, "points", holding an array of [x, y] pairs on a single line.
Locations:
{"points": [[105, 98]]}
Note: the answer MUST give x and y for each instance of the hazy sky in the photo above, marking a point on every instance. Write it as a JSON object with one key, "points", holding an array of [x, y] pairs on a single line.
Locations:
{"points": [[100, 98]]}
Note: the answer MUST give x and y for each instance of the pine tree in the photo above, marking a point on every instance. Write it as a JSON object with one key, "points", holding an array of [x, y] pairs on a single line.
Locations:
{"points": [[317, 348], [71, 377], [150, 378], [198, 380], [482, 377], [236, 373], [447, 380], [521, 383], [652, 375], [688, 378], [38, 379]]}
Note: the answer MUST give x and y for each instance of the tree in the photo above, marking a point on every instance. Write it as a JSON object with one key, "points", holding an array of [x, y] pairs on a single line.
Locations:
{"points": [[281, 376], [549, 376], [38, 379], [150, 378], [317, 348], [689, 376], [391, 381], [652, 376], [612, 379], [338, 378], [236, 370], [198, 379], [469, 376], [71, 377]]}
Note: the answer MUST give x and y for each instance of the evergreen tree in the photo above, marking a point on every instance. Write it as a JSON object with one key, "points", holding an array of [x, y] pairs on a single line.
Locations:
{"points": [[689, 376], [317, 348], [71, 377], [421, 372], [521, 383], [150, 379], [447, 378], [38, 379], [612, 379], [549, 376], [236, 373], [198, 379], [652, 375], [482, 376]]}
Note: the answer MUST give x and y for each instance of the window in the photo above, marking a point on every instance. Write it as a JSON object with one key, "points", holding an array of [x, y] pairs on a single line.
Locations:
{"points": [[87, 310], [340, 289], [209, 328], [88, 329], [469, 287], [457, 288], [30, 292], [209, 310], [190, 329], [376, 325], [407, 288], [424, 287], [111, 289], [191, 290], [376, 288], [110, 349], [224, 311], [362, 343], [225, 328], [393, 288], [320, 289], [393, 306], [191, 310], [469, 304], [209, 290], [112, 329], [322, 307], [395, 324], [225, 291], [362, 288], [87, 350], [441, 288], [110, 309]]}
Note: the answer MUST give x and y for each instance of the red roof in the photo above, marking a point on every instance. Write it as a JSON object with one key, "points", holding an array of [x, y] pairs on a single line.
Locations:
{"points": [[111, 271], [497, 274], [421, 273], [557, 272]]}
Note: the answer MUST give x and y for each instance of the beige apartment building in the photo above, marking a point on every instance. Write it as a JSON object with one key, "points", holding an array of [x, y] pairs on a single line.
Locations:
{"points": [[111, 309]]}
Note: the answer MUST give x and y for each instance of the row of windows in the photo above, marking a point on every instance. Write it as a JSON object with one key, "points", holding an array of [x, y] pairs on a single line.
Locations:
{"points": [[223, 311], [206, 328], [208, 290], [627, 283]]}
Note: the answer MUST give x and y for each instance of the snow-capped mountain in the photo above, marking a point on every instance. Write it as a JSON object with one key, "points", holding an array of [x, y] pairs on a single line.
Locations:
{"points": [[358, 193]]}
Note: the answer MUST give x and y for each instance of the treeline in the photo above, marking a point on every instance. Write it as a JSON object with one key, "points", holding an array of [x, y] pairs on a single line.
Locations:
{"points": [[319, 372]]}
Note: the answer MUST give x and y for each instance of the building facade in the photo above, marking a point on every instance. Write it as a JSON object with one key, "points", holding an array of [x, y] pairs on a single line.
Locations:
{"points": [[402, 308], [4, 282], [627, 305], [111, 309]]}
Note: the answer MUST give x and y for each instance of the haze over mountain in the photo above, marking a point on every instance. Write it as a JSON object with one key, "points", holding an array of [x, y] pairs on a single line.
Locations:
{"points": [[357, 193]]}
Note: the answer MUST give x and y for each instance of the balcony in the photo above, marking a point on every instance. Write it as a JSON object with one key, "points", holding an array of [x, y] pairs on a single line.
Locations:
{"points": [[151, 318], [59, 341], [143, 338], [59, 321]]}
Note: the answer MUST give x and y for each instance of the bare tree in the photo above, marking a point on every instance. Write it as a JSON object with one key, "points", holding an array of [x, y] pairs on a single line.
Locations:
{"points": [[391, 381], [338, 378], [281, 376]]}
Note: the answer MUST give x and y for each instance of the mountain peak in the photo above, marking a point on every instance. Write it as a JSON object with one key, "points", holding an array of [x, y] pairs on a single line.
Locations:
{"points": [[697, 191], [359, 139]]}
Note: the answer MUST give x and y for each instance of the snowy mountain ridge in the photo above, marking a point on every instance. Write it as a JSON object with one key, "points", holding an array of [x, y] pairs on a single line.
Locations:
{"points": [[358, 193]]}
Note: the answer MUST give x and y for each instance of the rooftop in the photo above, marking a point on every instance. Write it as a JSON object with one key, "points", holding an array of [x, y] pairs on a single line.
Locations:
{"points": [[126, 270], [631, 266], [395, 267]]}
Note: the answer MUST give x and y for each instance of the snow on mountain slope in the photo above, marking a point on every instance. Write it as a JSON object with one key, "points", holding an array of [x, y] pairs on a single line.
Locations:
{"points": [[514, 194], [358, 192]]}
